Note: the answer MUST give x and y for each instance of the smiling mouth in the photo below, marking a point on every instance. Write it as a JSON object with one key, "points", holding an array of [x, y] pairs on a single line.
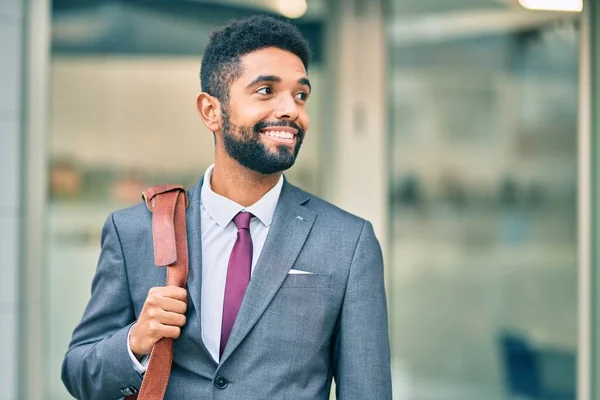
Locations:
{"points": [[280, 134]]}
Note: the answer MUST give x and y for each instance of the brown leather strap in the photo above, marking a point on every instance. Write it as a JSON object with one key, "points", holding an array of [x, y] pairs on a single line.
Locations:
{"points": [[167, 204]]}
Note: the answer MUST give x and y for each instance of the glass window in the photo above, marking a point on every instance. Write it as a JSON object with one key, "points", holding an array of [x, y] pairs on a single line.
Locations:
{"points": [[483, 159]]}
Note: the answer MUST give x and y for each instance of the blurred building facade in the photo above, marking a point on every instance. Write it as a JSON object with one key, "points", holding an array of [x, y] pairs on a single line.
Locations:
{"points": [[461, 128]]}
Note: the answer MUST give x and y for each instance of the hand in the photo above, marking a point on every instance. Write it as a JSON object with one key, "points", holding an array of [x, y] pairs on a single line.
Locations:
{"points": [[163, 315]]}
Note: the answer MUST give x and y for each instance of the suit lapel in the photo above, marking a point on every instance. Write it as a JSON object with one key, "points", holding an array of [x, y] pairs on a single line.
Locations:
{"points": [[194, 230], [290, 227]]}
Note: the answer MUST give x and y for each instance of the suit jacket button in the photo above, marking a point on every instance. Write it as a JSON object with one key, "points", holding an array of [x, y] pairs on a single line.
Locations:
{"points": [[221, 383]]}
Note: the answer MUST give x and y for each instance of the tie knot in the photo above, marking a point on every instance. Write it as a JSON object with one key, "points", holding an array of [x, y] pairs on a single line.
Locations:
{"points": [[242, 220]]}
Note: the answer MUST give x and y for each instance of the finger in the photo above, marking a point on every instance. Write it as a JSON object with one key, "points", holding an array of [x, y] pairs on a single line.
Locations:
{"points": [[172, 305], [173, 292], [171, 318], [169, 331]]}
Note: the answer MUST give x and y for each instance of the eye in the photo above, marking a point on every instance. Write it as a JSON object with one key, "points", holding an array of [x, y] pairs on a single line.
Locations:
{"points": [[264, 90], [302, 96]]}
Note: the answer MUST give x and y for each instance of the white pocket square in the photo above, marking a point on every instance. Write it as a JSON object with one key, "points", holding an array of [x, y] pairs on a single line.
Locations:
{"points": [[298, 272]]}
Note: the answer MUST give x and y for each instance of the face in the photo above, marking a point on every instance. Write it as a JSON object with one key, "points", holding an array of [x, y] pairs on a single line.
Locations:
{"points": [[265, 121]]}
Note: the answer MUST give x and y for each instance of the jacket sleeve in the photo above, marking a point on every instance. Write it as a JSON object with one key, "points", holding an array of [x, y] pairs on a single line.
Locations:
{"points": [[361, 349], [97, 363]]}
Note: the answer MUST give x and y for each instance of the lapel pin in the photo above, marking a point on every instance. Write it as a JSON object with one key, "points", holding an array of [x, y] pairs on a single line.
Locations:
{"points": [[299, 218]]}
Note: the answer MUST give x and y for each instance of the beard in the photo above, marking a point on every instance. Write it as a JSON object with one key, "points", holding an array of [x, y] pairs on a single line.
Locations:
{"points": [[247, 148]]}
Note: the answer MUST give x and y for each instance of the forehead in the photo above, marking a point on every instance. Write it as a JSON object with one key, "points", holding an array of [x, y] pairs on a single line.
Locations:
{"points": [[271, 61]]}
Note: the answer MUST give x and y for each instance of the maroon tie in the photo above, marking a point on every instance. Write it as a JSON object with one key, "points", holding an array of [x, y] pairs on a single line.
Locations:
{"points": [[238, 275]]}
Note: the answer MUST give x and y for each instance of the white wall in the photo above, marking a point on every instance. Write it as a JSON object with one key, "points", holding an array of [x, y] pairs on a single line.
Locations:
{"points": [[11, 27]]}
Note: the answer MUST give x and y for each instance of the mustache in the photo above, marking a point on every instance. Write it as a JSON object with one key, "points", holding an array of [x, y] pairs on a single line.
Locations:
{"points": [[266, 124]]}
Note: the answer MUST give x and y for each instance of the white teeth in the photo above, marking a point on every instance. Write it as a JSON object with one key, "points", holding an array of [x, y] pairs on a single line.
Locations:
{"points": [[280, 134]]}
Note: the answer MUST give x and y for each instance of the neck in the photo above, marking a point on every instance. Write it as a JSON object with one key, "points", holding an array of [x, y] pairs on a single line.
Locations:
{"points": [[232, 180]]}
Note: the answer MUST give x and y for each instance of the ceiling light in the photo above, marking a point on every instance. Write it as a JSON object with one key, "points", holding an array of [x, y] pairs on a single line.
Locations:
{"points": [[292, 8], [553, 5]]}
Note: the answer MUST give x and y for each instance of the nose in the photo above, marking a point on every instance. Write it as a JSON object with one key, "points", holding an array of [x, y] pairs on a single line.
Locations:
{"points": [[287, 108]]}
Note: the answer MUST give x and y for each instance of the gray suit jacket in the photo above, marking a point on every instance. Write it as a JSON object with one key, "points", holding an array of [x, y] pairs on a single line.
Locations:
{"points": [[293, 332]]}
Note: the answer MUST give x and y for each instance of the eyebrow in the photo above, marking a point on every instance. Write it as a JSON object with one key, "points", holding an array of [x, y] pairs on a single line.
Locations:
{"points": [[305, 81], [276, 79]]}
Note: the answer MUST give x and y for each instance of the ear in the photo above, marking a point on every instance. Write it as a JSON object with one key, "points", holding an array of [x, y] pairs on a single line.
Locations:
{"points": [[209, 109]]}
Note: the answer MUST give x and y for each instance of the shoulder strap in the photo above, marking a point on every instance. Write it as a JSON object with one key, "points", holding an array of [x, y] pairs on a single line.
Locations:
{"points": [[167, 204]]}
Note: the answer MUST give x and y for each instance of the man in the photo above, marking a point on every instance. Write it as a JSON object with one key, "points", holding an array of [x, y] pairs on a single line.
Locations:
{"points": [[313, 304]]}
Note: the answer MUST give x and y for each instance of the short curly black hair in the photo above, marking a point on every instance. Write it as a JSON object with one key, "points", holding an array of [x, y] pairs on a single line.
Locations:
{"points": [[221, 63]]}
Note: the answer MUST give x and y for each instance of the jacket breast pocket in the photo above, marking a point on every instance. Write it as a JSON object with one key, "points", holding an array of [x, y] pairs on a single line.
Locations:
{"points": [[307, 281]]}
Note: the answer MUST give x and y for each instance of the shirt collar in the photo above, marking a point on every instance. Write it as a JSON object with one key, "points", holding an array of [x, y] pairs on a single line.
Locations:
{"points": [[222, 210]]}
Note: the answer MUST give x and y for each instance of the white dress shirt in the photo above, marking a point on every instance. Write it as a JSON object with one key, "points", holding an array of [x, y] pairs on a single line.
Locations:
{"points": [[218, 237]]}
